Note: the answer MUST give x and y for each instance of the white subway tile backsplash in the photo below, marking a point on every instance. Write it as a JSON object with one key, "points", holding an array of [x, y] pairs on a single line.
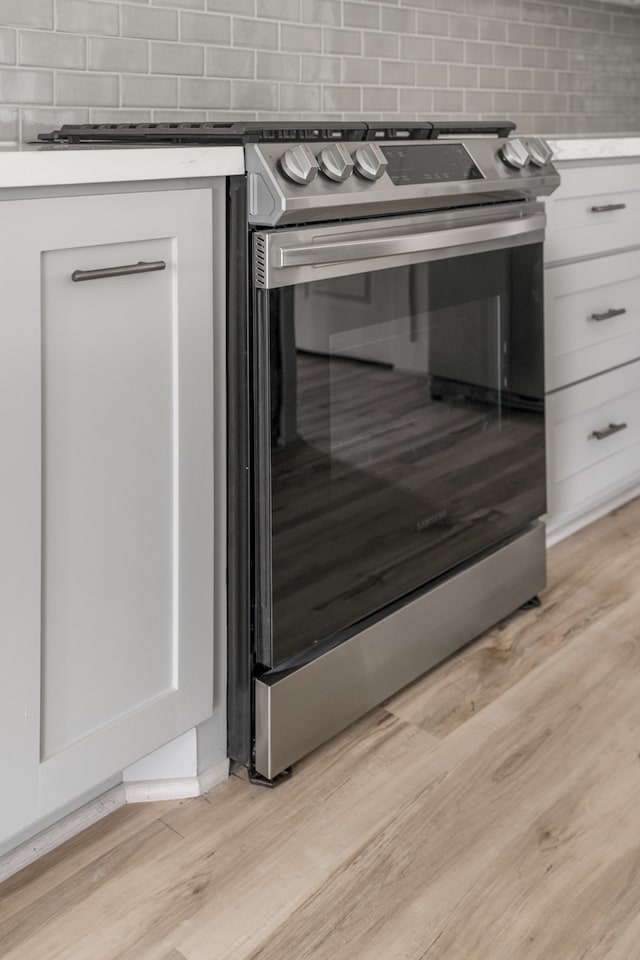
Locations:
{"points": [[278, 9], [397, 73], [27, 13], [253, 95], [448, 101], [118, 56], [325, 12], [149, 23], [381, 44], [227, 62], [360, 70], [449, 51], [433, 24], [181, 4], [465, 78], [555, 65], [19, 85], [277, 66], [35, 120], [301, 98], [342, 99], [241, 8], [8, 46], [432, 75], [255, 34], [88, 17], [417, 102], [380, 100], [141, 91], [178, 59], [87, 89], [361, 15], [41, 49], [205, 94], [495, 30], [314, 69], [479, 53], [301, 39], [347, 42], [9, 124], [398, 19], [204, 28]]}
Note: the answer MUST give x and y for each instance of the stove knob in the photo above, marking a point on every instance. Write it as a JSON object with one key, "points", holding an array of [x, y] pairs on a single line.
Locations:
{"points": [[515, 154], [299, 164], [370, 161], [336, 162], [541, 152]]}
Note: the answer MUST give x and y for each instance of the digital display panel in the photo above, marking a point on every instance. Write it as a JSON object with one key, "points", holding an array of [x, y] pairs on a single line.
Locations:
{"points": [[430, 163]]}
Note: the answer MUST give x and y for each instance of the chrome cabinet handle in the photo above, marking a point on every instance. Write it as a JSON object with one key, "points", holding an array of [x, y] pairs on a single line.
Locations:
{"points": [[105, 272], [605, 208], [608, 431], [608, 314]]}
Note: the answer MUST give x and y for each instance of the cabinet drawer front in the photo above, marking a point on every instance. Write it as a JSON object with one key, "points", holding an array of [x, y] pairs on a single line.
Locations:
{"points": [[580, 466], [594, 210], [592, 317]]}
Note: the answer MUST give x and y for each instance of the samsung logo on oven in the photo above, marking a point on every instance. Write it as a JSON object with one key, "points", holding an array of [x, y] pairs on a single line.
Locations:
{"points": [[431, 520]]}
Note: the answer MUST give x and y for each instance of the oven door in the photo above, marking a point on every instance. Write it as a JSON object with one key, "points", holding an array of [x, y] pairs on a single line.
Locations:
{"points": [[398, 410]]}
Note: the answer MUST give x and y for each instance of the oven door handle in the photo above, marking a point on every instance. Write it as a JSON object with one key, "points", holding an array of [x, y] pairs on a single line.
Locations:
{"points": [[449, 238]]}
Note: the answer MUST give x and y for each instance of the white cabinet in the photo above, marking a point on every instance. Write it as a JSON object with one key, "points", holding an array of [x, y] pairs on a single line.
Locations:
{"points": [[592, 318], [106, 506]]}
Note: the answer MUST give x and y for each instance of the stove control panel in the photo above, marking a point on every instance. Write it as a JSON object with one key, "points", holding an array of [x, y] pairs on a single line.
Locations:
{"points": [[309, 182]]}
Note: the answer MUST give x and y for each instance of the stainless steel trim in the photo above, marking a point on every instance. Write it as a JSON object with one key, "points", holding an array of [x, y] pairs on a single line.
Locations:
{"points": [[304, 254], [296, 712], [340, 252], [103, 273]]}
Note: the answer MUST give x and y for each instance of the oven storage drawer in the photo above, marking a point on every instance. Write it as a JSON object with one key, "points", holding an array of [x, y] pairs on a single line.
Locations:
{"points": [[592, 317], [594, 210], [593, 438]]}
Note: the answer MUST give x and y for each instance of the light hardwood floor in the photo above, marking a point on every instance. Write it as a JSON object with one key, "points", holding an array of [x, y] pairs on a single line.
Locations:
{"points": [[489, 812]]}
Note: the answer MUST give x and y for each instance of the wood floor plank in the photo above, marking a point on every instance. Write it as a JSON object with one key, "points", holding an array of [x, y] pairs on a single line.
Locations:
{"points": [[59, 865], [428, 865], [430, 830], [586, 580]]}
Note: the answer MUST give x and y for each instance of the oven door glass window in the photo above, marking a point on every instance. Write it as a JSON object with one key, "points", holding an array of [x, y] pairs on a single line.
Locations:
{"points": [[407, 433]]}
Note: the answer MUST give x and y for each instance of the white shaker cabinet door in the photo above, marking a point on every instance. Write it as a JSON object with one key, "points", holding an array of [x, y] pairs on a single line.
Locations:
{"points": [[107, 498]]}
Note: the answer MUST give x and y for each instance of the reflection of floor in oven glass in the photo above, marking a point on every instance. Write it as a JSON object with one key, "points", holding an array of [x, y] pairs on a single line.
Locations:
{"points": [[386, 488]]}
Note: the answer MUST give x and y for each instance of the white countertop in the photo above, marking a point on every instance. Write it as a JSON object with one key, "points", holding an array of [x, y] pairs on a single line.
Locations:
{"points": [[37, 166], [595, 147]]}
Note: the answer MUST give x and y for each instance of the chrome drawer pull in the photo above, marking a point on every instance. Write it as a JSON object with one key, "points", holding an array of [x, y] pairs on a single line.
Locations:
{"points": [[609, 314], [609, 206], [104, 272], [611, 429]]}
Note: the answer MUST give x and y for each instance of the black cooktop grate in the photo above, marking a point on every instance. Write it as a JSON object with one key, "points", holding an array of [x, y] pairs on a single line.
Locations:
{"points": [[221, 133]]}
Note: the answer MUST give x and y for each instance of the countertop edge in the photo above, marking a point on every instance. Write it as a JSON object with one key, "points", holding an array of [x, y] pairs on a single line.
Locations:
{"points": [[67, 166], [594, 148]]}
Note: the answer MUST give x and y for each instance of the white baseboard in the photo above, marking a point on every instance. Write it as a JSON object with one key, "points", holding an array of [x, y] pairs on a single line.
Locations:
{"points": [[178, 788], [140, 792], [59, 832]]}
